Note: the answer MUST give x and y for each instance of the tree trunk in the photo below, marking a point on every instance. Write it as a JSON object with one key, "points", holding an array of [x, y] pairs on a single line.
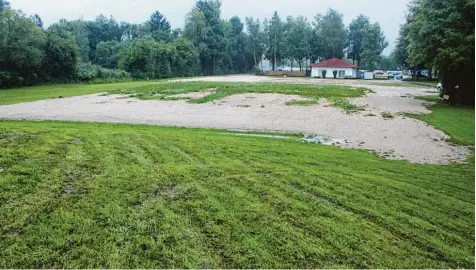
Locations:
{"points": [[214, 66], [291, 65], [275, 45], [254, 55]]}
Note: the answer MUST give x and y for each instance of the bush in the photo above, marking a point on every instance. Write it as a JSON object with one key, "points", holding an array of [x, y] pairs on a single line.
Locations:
{"points": [[88, 72], [324, 73], [334, 73]]}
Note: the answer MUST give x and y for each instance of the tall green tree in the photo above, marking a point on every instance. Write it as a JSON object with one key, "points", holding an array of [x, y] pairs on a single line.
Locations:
{"points": [[387, 63], [186, 59], [147, 59], [37, 20], [158, 22], [297, 40], [22, 46], [204, 28], [355, 37], [160, 27], [257, 39], [399, 53], [107, 53], [331, 31], [373, 44], [274, 31], [241, 59], [4, 4], [441, 36], [79, 30], [102, 29], [61, 54]]}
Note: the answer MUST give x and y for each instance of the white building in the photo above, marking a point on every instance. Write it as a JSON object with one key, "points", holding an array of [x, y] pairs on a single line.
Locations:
{"points": [[344, 69]]}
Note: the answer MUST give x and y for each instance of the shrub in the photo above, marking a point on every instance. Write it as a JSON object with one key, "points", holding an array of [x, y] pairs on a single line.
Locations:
{"points": [[324, 73], [88, 72], [334, 73]]}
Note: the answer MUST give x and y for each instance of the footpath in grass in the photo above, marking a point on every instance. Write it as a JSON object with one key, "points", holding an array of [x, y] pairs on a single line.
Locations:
{"points": [[81, 195]]}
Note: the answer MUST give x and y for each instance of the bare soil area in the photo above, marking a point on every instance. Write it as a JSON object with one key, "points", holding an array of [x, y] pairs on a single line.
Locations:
{"points": [[397, 137]]}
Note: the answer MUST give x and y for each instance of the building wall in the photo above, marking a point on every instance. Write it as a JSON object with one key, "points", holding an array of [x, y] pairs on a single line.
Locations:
{"points": [[349, 72]]}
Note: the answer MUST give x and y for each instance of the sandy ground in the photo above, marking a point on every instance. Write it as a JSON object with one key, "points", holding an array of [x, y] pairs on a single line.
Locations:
{"points": [[396, 138]]}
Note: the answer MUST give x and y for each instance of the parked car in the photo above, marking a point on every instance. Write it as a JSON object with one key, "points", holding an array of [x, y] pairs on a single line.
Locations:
{"points": [[398, 75], [395, 75]]}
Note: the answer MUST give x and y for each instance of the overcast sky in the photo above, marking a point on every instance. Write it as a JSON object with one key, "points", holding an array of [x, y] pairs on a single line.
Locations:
{"points": [[390, 14]]}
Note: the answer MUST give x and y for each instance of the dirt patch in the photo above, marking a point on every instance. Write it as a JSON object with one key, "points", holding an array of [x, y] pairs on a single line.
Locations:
{"points": [[405, 138], [194, 95]]}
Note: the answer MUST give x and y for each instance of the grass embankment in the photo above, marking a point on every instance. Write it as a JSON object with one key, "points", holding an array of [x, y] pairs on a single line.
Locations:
{"points": [[79, 195], [456, 121]]}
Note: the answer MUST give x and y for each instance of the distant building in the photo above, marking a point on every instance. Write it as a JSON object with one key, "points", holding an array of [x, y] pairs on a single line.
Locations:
{"points": [[344, 69]]}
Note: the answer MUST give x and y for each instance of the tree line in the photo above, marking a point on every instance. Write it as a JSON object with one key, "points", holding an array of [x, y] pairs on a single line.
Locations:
{"points": [[438, 35], [103, 49]]}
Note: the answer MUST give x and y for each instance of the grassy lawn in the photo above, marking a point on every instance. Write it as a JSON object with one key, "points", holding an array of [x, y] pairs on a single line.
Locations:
{"points": [[25, 94], [456, 121], [83, 195], [221, 90], [424, 82], [163, 90]]}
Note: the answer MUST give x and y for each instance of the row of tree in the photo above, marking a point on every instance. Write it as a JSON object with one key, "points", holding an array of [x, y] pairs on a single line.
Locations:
{"points": [[207, 45], [438, 35], [298, 40]]}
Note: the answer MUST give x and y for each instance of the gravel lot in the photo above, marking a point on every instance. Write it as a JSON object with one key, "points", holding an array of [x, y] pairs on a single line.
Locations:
{"points": [[395, 138]]}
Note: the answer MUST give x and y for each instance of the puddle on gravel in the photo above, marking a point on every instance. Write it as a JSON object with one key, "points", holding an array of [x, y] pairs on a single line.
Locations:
{"points": [[323, 140], [260, 135]]}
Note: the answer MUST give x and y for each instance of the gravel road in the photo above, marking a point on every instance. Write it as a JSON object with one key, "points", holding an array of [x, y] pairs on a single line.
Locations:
{"points": [[396, 138]]}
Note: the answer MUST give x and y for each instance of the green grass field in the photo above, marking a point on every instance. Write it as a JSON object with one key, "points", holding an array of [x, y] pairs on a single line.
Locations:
{"points": [[163, 89], [422, 82], [457, 121], [87, 195], [79, 195], [25, 94], [221, 90]]}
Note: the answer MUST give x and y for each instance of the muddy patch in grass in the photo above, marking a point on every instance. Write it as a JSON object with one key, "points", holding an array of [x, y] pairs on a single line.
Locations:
{"points": [[324, 140]]}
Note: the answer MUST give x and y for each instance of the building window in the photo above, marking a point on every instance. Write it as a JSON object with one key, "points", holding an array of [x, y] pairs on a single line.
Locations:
{"points": [[341, 73]]}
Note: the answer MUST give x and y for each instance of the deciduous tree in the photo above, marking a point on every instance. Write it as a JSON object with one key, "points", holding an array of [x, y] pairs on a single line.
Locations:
{"points": [[331, 31], [441, 36], [274, 32], [22, 46], [373, 44], [355, 37]]}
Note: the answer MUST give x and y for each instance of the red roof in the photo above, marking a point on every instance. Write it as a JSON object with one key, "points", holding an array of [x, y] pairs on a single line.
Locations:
{"points": [[334, 63]]}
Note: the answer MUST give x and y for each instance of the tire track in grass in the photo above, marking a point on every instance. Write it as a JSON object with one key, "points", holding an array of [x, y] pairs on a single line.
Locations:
{"points": [[422, 243], [47, 199], [291, 219], [390, 182], [438, 253]]}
